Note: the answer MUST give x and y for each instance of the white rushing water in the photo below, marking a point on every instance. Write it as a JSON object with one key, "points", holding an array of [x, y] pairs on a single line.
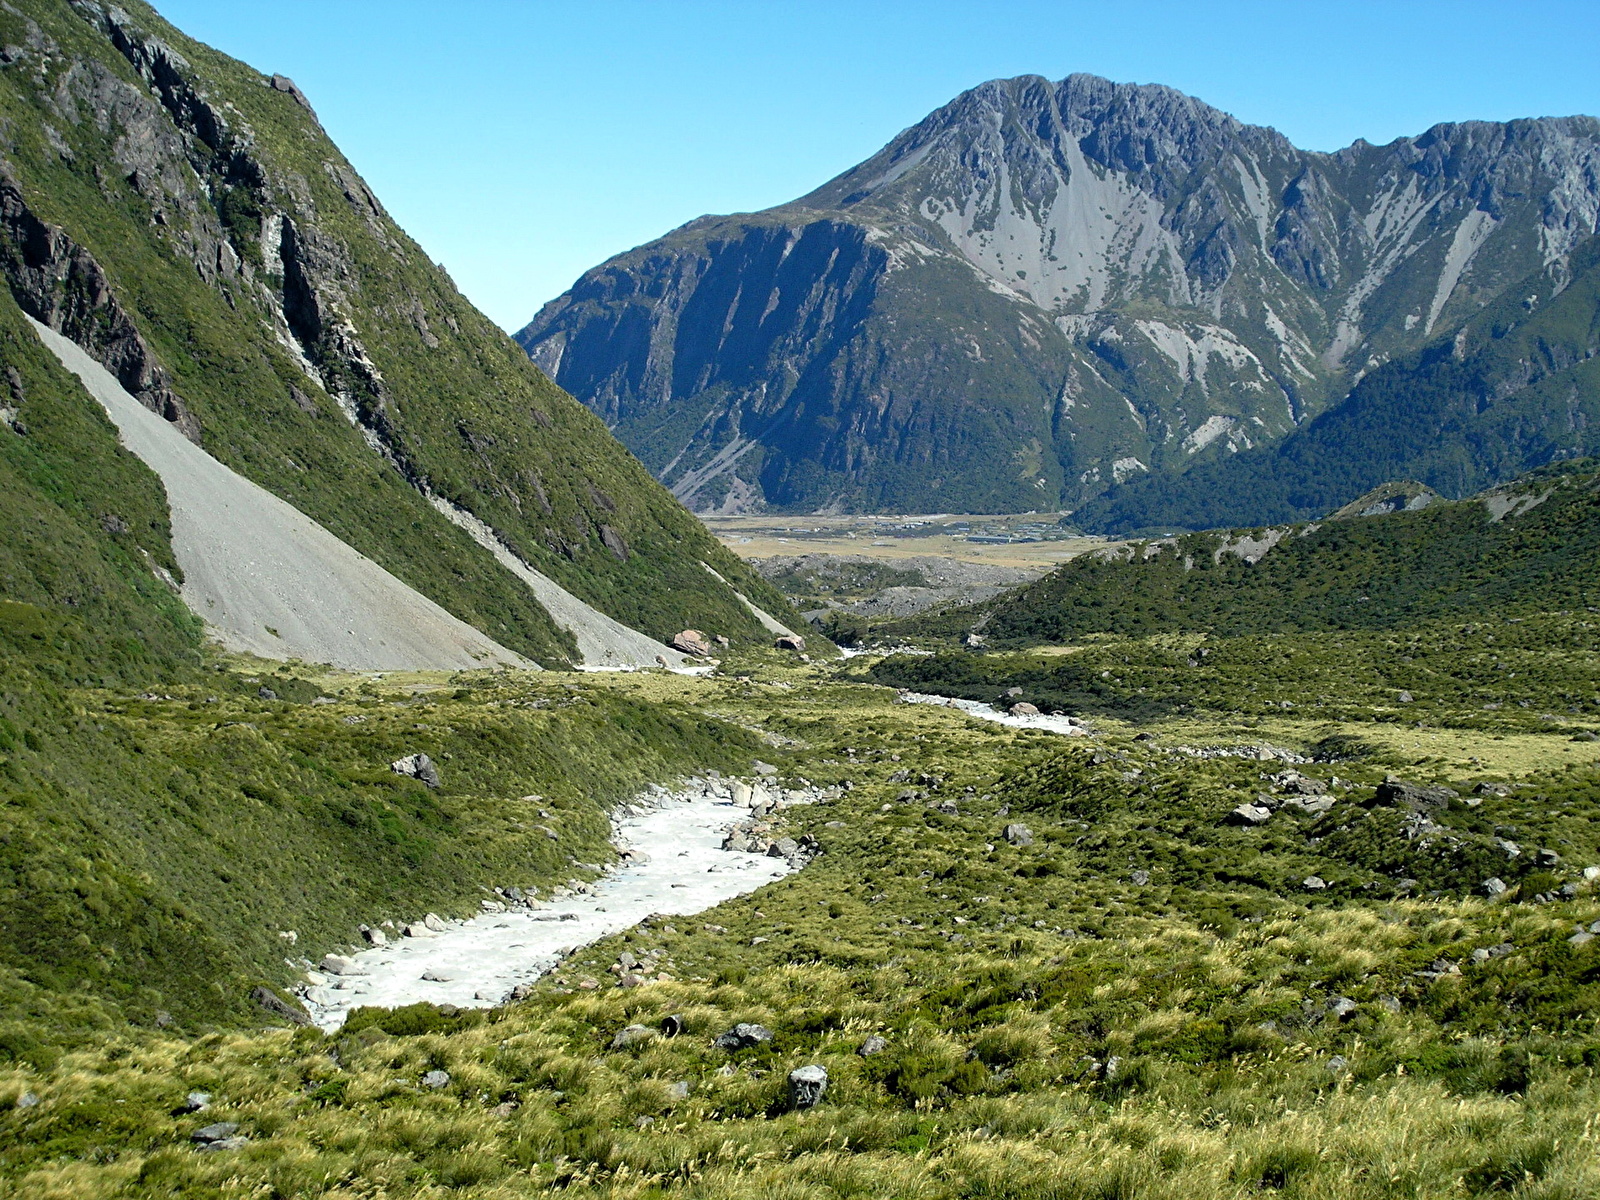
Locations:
{"points": [[681, 869], [1070, 726]]}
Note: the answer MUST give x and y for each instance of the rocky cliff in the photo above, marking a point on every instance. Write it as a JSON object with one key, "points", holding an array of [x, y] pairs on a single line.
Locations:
{"points": [[1044, 290]]}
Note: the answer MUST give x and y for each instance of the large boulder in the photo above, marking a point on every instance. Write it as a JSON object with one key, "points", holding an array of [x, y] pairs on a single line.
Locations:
{"points": [[1023, 709], [1419, 798], [790, 641], [419, 767], [1249, 814], [1018, 835], [692, 641]]}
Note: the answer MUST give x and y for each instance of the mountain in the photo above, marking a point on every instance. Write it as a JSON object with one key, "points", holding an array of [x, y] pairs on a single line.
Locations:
{"points": [[1044, 290], [1516, 386], [1398, 558], [185, 220]]}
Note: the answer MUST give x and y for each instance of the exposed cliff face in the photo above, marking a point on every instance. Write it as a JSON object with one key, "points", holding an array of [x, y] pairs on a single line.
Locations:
{"points": [[1046, 289], [185, 219]]}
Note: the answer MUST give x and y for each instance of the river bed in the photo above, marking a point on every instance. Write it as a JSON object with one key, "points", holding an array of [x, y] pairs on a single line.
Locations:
{"points": [[1070, 726], [479, 961]]}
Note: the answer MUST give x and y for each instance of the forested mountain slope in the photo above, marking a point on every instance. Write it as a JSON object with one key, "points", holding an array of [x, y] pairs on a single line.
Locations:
{"points": [[1044, 290]]}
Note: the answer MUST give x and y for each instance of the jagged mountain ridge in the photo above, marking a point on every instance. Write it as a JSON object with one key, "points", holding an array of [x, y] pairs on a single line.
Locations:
{"points": [[185, 219], [1046, 288]]}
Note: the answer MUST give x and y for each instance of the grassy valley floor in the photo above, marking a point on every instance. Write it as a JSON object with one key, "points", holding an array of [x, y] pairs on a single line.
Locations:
{"points": [[1131, 996]]}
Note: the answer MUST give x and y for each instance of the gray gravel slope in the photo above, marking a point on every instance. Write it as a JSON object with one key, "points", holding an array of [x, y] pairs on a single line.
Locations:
{"points": [[266, 578]]}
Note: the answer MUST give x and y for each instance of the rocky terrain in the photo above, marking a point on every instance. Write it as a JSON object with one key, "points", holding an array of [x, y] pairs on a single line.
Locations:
{"points": [[1047, 289], [873, 587]]}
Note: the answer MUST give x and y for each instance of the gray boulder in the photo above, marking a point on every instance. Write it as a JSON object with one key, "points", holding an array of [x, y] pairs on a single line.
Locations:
{"points": [[807, 1086], [790, 641], [1419, 798], [436, 1080], [338, 964], [221, 1131], [742, 1036], [1017, 835], [873, 1045], [1249, 814], [1493, 887], [1314, 883], [1023, 709], [417, 766]]}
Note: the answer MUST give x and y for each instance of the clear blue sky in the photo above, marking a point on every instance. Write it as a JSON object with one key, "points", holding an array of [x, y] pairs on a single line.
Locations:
{"points": [[524, 141]]}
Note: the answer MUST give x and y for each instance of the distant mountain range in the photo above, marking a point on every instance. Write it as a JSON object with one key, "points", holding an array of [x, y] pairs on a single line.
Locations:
{"points": [[1096, 297]]}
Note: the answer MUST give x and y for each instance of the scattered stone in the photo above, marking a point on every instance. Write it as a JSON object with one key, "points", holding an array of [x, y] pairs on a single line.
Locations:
{"points": [[1314, 883], [679, 1090], [807, 1086], [783, 848], [434, 976], [790, 641], [374, 937], [692, 641], [1404, 697], [195, 1102], [1018, 835], [631, 1034], [419, 767], [338, 964], [630, 980], [436, 1080], [210, 1134], [1249, 814], [742, 1036], [1547, 858], [28, 1100], [1341, 1007], [1141, 878], [1338, 1065], [1492, 789], [873, 1045], [1493, 886], [1581, 937], [434, 922], [1024, 709]]}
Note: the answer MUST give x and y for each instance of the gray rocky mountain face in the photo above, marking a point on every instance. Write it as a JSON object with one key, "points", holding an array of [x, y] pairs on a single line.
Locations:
{"points": [[1044, 289]]}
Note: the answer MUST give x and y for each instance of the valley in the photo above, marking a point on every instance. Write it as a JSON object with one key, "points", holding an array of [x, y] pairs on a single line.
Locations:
{"points": [[418, 779]]}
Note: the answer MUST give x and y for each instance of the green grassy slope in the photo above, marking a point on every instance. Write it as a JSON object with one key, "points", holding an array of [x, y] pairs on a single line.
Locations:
{"points": [[1451, 559], [1515, 387], [181, 191], [1053, 1024]]}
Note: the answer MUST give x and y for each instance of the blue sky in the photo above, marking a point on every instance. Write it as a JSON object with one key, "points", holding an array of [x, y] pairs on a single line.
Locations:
{"points": [[524, 141]]}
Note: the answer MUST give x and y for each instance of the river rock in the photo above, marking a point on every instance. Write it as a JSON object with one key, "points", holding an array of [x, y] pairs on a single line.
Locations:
{"points": [[338, 964], [419, 767], [433, 976], [435, 922], [692, 641], [1018, 835], [742, 793], [807, 1086], [783, 848], [374, 937]]}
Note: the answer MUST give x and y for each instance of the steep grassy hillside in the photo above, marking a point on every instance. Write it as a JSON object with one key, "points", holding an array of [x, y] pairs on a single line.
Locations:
{"points": [[1515, 387], [187, 220]]}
